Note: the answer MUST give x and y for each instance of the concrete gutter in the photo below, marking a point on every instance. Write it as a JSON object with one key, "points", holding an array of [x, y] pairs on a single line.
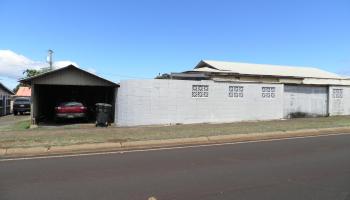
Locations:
{"points": [[121, 146]]}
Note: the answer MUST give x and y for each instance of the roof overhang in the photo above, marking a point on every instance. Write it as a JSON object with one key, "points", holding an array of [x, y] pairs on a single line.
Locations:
{"points": [[189, 75]]}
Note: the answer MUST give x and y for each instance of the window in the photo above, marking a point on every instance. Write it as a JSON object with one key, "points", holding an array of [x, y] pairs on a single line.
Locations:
{"points": [[337, 93], [21, 101], [235, 91], [71, 104], [200, 91], [268, 92]]}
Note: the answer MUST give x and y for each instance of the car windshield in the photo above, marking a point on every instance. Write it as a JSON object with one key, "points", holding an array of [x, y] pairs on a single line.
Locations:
{"points": [[71, 104], [19, 101]]}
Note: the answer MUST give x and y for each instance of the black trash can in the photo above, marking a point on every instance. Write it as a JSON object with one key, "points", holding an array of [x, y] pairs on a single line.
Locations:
{"points": [[103, 114]]}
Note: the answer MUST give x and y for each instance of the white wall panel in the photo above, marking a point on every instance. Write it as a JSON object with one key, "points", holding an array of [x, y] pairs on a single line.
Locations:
{"points": [[146, 102], [301, 100]]}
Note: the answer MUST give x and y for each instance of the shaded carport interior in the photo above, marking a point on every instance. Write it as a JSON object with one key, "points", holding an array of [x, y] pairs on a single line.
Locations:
{"points": [[69, 84], [50, 96]]}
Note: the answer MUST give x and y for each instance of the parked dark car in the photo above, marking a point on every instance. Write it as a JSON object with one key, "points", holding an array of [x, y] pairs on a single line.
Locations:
{"points": [[21, 105], [70, 110]]}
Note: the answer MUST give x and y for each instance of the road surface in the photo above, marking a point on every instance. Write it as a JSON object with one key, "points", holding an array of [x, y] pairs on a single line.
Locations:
{"points": [[309, 168]]}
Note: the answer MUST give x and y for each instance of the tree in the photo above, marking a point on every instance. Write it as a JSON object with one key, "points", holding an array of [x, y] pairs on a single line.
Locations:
{"points": [[31, 72], [27, 74], [163, 76]]}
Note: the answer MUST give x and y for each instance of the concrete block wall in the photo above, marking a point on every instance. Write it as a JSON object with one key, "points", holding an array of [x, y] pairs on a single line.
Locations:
{"points": [[150, 102], [339, 105]]}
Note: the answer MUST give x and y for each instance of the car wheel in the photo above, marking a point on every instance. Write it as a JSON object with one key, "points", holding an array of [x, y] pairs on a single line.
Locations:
{"points": [[15, 113]]}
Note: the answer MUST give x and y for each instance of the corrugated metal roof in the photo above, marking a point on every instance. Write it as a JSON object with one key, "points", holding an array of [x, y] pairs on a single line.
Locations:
{"points": [[24, 92], [264, 70]]}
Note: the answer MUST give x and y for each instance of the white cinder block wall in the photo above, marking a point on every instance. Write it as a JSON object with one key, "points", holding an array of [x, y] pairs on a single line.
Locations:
{"points": [[339, 103], [149, 102]]}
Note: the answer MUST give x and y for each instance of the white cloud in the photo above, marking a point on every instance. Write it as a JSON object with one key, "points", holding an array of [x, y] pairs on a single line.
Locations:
{"points": [[12, 65]]}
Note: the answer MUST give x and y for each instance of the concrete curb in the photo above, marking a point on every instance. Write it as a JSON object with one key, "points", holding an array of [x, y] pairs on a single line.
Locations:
{"points": [[95, 147], [160, 143], [82, 147], [25, 151]]}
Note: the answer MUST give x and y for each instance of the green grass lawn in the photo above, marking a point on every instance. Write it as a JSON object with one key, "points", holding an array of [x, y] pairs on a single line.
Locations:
{"points": [[17, 126], [20, 136]]}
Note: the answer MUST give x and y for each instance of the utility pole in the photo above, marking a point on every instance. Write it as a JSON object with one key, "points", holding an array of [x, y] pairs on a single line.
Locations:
{"points": [[49, 59]]}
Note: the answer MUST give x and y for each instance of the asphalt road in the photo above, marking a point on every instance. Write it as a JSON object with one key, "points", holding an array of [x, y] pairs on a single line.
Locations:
{"points": [[310, 168]]}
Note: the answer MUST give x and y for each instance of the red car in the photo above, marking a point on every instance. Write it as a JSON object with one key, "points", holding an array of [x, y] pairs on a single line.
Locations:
{"points": [[71, 110]]}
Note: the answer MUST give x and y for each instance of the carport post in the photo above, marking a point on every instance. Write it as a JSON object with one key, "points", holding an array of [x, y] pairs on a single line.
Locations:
{"points": [[32, 105]]}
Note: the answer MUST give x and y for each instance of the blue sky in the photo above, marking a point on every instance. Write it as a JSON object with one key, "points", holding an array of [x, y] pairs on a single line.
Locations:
{"points": [[139, 39]]}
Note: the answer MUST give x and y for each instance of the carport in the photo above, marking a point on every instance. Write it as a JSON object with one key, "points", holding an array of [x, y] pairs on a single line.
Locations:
{"points": [[68, 84]]}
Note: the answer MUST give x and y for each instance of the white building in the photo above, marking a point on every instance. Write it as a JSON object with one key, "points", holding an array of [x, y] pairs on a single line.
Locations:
{"points": [[213, 92], [217, 91]]}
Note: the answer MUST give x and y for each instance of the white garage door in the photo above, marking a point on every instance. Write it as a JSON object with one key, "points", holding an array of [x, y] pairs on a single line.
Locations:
{"points": [[304, 101]]}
